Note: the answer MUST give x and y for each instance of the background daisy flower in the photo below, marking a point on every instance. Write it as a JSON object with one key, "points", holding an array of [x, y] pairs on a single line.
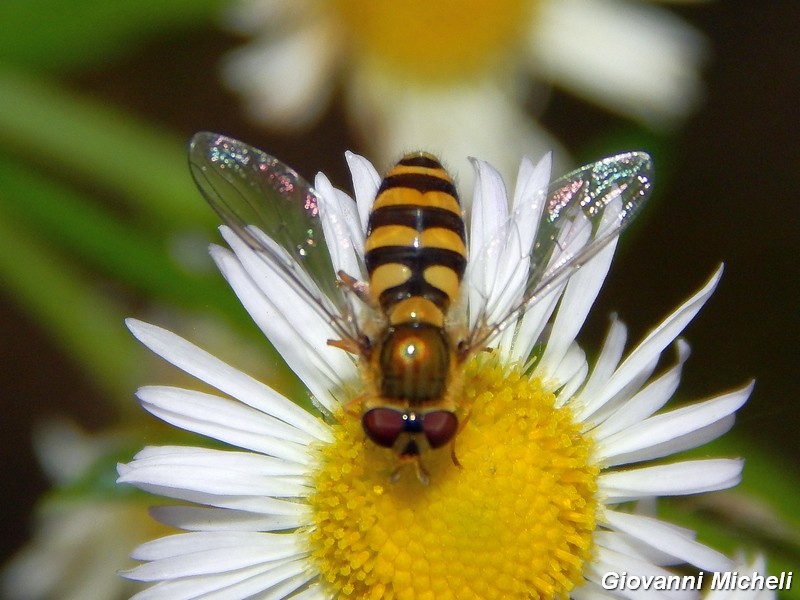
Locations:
{"points": [[553, 451], [83, 532], [415, 73]]}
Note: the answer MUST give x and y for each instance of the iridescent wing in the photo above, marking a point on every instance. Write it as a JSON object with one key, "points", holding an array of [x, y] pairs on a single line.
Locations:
{"points": [[581, 213], [276, 212]]}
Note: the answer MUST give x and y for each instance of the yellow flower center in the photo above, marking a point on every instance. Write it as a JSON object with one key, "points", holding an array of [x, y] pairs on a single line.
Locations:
{"points": [[434, 40], [514, 521]]}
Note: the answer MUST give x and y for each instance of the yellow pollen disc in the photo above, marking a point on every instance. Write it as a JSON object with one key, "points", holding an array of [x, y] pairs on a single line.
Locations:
{"points": [[515, 521], [435, 41]]}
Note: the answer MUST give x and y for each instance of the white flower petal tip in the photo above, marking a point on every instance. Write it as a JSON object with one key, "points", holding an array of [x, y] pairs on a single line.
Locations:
{"points": [[134, 325], [642, 360], [366, 182], [152, 336], [364, 175], [705, 292], [674, 431], [676, 479], [533, 175]]}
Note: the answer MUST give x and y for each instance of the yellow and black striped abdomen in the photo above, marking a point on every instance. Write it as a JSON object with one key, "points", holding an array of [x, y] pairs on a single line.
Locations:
{"points": [[415, 250]]}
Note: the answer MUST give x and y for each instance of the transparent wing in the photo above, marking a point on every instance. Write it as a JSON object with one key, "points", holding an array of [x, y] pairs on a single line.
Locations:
{"points": [[276, 212], [580, 214]]}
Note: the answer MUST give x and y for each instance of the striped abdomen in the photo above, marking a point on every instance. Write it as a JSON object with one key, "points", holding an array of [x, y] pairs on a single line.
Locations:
{"points": [[415, 248]]}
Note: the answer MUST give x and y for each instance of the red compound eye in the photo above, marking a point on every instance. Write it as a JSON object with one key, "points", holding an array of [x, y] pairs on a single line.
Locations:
{"points": [[439, 426], [383, 425]]}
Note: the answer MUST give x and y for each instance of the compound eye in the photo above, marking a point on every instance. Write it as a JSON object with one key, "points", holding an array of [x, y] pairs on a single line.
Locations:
{"points": [[383, 425], [439, 426]]}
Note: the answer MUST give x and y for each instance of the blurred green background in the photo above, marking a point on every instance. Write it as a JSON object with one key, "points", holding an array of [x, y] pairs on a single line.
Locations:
{"points": [[99, 219]]}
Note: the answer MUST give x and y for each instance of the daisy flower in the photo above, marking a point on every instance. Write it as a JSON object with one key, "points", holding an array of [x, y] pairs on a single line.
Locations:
{"points": [[82, 533], [415, 73], [554, 452]]}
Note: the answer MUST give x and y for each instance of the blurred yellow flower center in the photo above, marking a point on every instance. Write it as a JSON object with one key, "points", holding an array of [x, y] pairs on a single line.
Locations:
{"points": [[434, 40], [515, 521]]}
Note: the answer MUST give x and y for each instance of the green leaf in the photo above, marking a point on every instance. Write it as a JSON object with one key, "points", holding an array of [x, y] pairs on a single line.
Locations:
{"points": [[54, 35], [79, 137], [129, 255], [87, 323]]}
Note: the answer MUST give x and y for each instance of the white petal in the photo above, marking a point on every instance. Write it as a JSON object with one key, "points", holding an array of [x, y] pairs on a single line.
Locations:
{"points": [[342, 228], [625, 544], [275, 584], [672, 446], [188, 554], [248, 463], [518, 344], [668, 539], [662, 431], [606, 363], [216, 472], [285, 79], [248, 503], [598, 413], [529, 199], [489, 213], [282, 289], [570, 374], [499, 265], [489, 207], [519, 235], [227, 421], [297, 329], [270, 581], [579, 296], [530, 191], [571, 239], [366, 182], [181, 544], [634, 58], [225, 378], [677, 479], [645, 355], [196, 518], [500, 247], [315, 592], [647, 401]]}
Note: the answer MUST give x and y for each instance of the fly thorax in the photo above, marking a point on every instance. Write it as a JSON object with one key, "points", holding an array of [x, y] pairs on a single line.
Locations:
{"points": [[414, 362]]}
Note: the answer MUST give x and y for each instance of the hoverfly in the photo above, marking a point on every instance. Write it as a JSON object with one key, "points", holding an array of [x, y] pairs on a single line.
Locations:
{"points": [[405, 315]]}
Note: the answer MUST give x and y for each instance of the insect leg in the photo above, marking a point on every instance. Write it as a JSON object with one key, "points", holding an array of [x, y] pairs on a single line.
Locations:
{"points": [[462, 423], [348, 345], [422, 474], [358, 287]]}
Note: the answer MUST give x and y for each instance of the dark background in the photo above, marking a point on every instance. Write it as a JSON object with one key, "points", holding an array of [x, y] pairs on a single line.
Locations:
{"points": [[730, 195]]}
